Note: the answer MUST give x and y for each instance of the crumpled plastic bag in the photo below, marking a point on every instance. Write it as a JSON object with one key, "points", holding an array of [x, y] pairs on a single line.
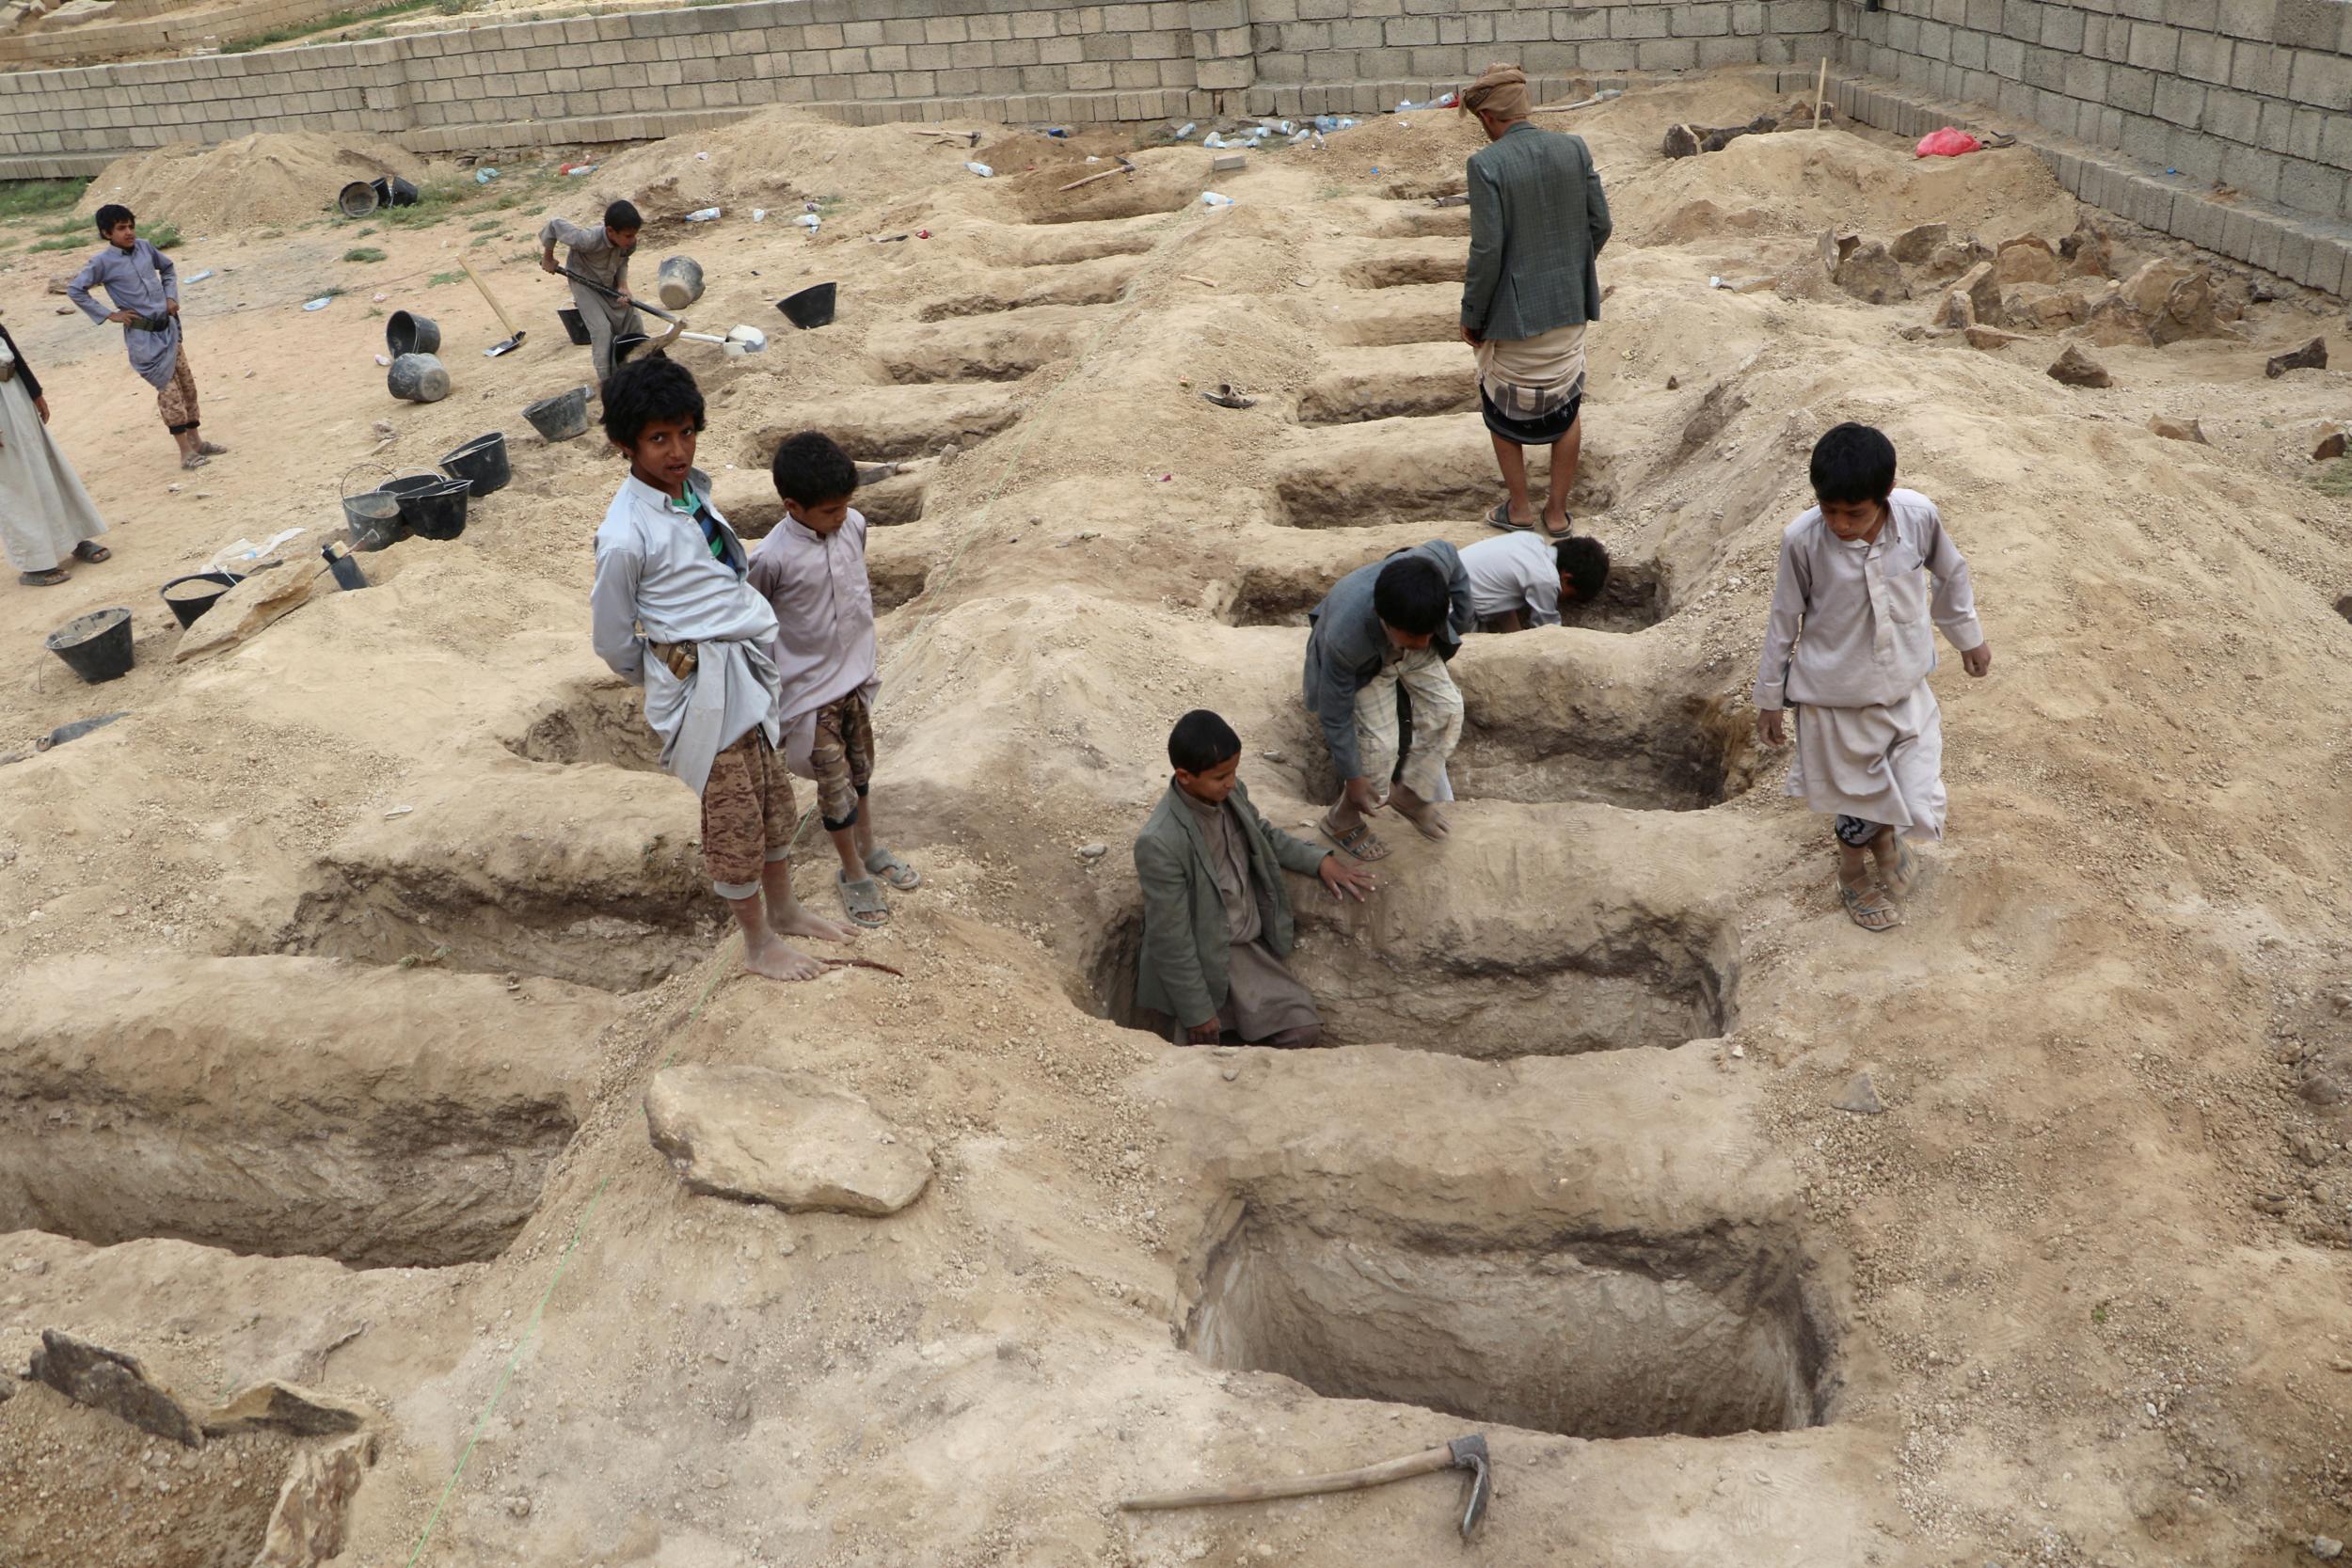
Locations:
{"points": [[1946, 143]]}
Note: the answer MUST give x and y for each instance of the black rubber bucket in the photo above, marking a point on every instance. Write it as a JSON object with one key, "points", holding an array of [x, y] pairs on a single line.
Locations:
{"points": [[409, 333], [439, 513], [481, 463], [560, 419], [573, 326], [96, 647], [357, 200], [195, 594], [811, 308], [418, 378], [392, 191]]}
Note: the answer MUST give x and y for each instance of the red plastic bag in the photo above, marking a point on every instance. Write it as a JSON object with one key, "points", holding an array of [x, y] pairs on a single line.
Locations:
{"points": [[1946, 143]]}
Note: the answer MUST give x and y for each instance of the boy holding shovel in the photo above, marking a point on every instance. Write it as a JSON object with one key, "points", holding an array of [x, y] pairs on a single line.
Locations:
{"points": [[600, 256]]}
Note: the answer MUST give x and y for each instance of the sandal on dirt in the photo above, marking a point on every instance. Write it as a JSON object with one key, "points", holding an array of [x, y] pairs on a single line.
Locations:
{"points": [[1868, 910], [93, 553], [1359, 840], [210, 449], [862, 901], [1500, 518], [194, 460], [1567, 530], [1225, 396], [885, 864], [1997, 139], [49, 578]]}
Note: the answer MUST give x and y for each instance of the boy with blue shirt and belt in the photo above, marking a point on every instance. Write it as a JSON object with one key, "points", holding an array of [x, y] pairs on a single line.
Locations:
{"points": [[144, 288]]}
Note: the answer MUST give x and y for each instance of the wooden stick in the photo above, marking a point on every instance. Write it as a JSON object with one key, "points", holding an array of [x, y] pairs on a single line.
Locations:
{"points": [[1820, 93], [1204, 282], [1438, 1458], [1124, 168], [496, 308], [862, 963]]}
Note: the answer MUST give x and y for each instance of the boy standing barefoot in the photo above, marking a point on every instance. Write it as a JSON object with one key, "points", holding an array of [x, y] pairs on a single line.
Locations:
{"points": [[811, 569], [671, 582], [1856, 578]]}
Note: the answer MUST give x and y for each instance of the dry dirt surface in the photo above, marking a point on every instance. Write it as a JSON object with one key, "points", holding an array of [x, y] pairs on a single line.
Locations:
{"points": [[338, 967]]}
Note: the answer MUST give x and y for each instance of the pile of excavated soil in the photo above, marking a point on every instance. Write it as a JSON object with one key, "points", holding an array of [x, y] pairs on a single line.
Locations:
{"points": [[254, 182]]}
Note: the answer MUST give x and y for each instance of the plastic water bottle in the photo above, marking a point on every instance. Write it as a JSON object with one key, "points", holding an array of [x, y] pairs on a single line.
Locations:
{"points": [[980, 169], [1212, 139], [1184, 131], [1210, 198], [808, 221], [705, 215]]}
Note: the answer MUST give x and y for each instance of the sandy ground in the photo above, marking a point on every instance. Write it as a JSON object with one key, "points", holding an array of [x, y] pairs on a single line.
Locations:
{"points": [[1574, 1175]]}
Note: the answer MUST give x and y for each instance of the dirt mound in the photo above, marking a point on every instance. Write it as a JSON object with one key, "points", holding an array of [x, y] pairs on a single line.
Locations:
{"points": [[250, 183], [1832, 179]]}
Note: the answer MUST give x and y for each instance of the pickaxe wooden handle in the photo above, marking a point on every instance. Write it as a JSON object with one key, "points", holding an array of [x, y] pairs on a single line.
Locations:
{"points": [[1463, 1453]]}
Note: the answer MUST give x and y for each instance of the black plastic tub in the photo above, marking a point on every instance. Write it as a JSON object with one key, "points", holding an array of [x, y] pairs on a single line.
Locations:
{"points": [[198, 592], [96, 647], [481, 463]]}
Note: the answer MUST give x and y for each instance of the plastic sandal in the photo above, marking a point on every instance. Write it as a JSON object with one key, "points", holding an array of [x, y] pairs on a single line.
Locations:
{"points": [[91, 552], [862, 901], [885, 864], [1359, 840]]}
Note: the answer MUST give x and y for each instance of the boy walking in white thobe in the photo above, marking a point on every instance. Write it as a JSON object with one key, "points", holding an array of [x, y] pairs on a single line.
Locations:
{"points": [[1849, 645]]}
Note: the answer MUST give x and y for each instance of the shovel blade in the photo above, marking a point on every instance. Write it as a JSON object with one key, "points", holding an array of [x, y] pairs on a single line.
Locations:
{"points": [[507, 347]]}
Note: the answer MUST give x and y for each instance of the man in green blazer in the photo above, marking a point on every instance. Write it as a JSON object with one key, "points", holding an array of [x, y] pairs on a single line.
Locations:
{"points": [[1217, 922], [1538, 219]]}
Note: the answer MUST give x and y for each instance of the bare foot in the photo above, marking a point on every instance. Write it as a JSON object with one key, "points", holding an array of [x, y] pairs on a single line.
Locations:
{"points": [[1420, 812], [804, 924], [780, 963]]}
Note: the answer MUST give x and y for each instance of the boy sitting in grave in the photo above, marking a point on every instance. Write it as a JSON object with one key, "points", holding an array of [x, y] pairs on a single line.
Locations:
{"points": [[1216, 919]]}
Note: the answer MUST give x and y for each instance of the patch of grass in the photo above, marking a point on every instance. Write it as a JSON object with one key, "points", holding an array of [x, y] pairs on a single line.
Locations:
{"points": [[338, 20], [483, 225], [363, 253], [2099, 1314], [25, 198], [365, 232], [483, 240], [2334, 479], [440, 279], [63, 242], [74, 225], [164, 236]]}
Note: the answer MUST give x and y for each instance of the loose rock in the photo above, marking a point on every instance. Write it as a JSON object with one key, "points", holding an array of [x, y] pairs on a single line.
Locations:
{"points": [[1093, 852], [1991, 337], [1916, 244], [312, 1520], [2326, 1546], [245, 610], [2179, 430], [1872, 276], [2311, 357], [782, 1138], [112, 1382], [286, 1407], [2329, 442], [2076, 369], [2027, 259], [1861, 1097]]}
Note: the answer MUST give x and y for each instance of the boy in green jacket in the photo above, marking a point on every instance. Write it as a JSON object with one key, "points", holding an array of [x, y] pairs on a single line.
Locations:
{"points": [[1216, 923]]}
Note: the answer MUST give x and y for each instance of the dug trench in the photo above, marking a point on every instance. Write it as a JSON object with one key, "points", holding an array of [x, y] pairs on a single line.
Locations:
{"points": [[288, 1106], [1529, 933], [1286, 581], [1611, 1255], [1394, 470]]}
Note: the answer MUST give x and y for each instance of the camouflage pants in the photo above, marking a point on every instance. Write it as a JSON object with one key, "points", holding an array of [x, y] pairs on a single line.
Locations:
{"points": [[842, 757], [176, 399], [748, 815]]}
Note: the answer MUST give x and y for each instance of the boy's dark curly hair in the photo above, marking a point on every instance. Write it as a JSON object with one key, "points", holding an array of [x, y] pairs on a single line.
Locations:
{"points": [[644, 390]]}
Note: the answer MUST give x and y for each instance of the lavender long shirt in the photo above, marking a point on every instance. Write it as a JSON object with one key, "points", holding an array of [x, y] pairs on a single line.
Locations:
{"points": [[143, 280]]}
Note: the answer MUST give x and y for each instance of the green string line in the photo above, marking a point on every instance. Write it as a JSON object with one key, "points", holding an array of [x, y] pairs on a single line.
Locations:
{"points": [[521, 1346], [1029, 424]]}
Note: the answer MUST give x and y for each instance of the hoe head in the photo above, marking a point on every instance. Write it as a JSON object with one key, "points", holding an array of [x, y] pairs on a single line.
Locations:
{"points": [[1470, 1453]]}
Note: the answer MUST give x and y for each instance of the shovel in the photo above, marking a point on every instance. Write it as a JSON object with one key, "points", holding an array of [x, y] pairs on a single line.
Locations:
{"points": [[515, 337], [738, 339]]}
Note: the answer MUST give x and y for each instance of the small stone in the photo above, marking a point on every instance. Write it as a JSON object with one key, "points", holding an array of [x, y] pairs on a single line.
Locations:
{"points": [[286, 1407], [1093, 852], [1916, 244], [2344, 607], [2329, 442], [2311, 357], [518, 1508], [2076, 369], [112, 1382], [384, 430], [2327, 1547], [313, 1520], [782, 1138], [2179, 430], [1231, 1074], [2027, 259], [1277, 758], [1871, 276], [1681, 141], [1990, 338], [1673, 384], [1861, 1097]]}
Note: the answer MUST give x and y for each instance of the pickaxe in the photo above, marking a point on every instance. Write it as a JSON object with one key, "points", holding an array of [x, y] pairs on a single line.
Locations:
{"points": [[1463, 1453]]}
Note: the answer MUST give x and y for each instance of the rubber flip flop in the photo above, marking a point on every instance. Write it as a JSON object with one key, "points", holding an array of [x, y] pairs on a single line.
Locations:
{"points": [[862, 901], [1876, 915], [93, 553], [212, 449], [1360, 842], [1225, 396], [49, 578], [886, 865], [1500, 518]]}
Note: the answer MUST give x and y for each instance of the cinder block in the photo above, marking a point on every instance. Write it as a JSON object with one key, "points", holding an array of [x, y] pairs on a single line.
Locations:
{"points": [[2294, 258], [1736, 49], [1640, 21], [2179, 101], [2254, 172], [2154, 46], [1666, 54], [2260, 67], [2307, 23], [1701, 20], [2324, 81], [2131, 89], [1573, 24], [1405, 32], [2005, 56], [2232, 116], [2309, 187], [2045, 68]]}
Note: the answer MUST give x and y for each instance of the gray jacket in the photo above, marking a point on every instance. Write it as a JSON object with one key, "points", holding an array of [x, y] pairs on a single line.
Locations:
{"points": [[1183, 969], [1347, 645], [1538, 219]]}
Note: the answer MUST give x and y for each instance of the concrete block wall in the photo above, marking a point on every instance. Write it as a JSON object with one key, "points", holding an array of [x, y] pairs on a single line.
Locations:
{"points": [[2254, 94], [128, 33], [649, 74]]}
